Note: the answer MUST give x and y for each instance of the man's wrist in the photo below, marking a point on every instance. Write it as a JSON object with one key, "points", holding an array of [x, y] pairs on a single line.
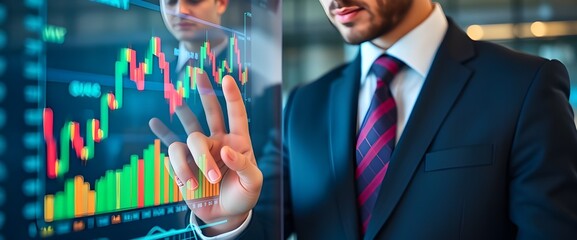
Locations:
{"points": [[231, 234], [231, 224]]}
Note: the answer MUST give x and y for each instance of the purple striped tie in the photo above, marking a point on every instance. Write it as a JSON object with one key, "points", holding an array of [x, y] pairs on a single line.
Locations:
{"points": [[376, 139]]}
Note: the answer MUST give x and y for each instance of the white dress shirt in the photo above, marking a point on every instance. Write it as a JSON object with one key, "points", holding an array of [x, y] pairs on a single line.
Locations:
{"points": [[416, 49]]}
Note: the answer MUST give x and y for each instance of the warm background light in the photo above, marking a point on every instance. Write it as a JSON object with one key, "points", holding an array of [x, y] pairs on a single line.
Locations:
{"points": [[539, 29], [475, 32], [505, 31]]}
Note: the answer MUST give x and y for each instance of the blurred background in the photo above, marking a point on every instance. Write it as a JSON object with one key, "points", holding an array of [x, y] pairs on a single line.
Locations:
{"points": [[548, 28]]}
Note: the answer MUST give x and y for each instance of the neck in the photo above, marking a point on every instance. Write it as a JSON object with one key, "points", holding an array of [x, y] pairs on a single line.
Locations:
{"points": [[417, 13]]}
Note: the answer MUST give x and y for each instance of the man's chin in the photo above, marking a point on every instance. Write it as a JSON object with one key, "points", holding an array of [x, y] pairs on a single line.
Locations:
{"points": [[354, 39], [358, 36]]}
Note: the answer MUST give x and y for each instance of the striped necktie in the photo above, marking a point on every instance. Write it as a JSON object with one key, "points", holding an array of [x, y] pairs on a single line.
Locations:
{"points": [[376, 139]]}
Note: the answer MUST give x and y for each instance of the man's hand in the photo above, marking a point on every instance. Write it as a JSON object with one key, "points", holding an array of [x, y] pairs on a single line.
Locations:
{"points": [[229, 156]]}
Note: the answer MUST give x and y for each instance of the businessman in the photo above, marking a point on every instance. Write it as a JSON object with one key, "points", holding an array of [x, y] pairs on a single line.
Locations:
{"points": [[427, 134]]}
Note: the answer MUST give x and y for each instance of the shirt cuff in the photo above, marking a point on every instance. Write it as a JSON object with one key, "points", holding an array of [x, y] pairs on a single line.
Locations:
{"points": [[227, 235]]}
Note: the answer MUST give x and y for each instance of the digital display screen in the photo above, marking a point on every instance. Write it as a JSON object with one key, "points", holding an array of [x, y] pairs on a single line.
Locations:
{"points": [[80, 82]]}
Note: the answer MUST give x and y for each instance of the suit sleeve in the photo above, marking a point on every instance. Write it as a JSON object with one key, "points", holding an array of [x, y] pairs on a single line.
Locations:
{"points": [[272, 216], [266, 220], [543, 167]]}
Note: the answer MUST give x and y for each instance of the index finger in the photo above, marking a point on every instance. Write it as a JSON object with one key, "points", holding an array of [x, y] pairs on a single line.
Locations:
{"points": [[210, 104], [237, 117]]}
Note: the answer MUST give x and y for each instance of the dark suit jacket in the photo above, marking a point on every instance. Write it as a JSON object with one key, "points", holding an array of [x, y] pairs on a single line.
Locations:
{"points": [[489, 152]]}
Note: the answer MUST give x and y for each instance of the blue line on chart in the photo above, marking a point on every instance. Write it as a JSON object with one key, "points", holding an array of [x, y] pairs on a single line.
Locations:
{"points": [[155, 7], [159, 233], [239, 34], [67, 76], [145, 4]]}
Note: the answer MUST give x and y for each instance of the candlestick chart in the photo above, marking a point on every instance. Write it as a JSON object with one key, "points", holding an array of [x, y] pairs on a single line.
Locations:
{"points": [[97, 129], [100, 157]]}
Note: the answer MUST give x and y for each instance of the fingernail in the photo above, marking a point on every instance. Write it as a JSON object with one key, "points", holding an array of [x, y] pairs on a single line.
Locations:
{"points": [[212, 175], [178, 182], [193, 184]]}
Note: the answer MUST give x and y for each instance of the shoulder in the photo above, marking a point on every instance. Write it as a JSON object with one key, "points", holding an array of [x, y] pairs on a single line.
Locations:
{"points": [[505, 60], [506, 67]]}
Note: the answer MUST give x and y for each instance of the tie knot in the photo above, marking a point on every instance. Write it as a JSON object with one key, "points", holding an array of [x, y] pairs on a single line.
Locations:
{"points": [[386, 67]]}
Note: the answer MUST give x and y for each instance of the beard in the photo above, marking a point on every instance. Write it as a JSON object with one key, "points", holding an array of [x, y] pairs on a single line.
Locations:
{"points": [[383, 19]]}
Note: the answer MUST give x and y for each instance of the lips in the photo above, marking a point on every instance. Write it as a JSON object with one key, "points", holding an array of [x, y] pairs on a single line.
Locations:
{"points": [[346, 14], [184, 24]]}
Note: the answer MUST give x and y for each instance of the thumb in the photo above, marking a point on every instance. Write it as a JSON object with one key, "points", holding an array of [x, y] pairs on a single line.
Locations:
{"points": [[250, 176]]}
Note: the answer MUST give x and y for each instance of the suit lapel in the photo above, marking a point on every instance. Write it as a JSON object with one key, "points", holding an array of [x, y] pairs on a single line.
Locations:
{"points": [[441, 89], [342, 125]]}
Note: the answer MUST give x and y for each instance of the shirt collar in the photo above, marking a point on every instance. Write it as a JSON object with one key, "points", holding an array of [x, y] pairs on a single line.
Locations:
{"points": [[184, 55], [416, 49]]}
